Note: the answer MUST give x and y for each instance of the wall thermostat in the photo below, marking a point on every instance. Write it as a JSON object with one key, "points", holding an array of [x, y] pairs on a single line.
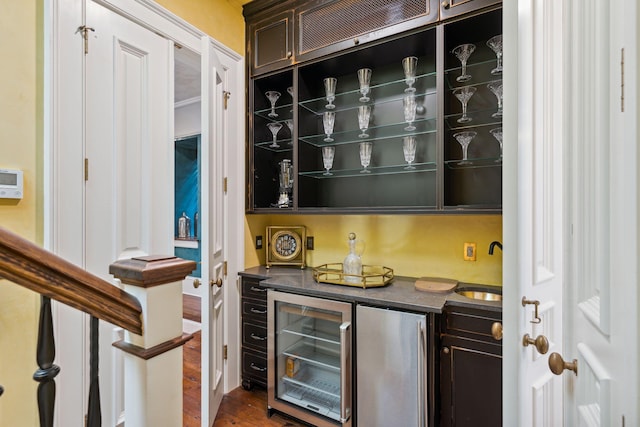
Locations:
{"points": [[11, 184]]}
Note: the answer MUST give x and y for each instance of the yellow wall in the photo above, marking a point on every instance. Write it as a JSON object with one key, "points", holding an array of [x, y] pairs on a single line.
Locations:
{"points": [[21, 148], [412, 245]]}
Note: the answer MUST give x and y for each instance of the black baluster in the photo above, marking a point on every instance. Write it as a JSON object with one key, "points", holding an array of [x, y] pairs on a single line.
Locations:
{"points": [[1, 390], [94, 416], [45, 354]]}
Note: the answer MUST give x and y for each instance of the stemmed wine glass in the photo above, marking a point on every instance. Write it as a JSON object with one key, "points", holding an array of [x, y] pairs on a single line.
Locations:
{"points": [[464, 94], [497, 134], [464, 138], [365, 155], [290, 92], [364, 113], [327, 158], [409, 106], [409, 149], [496, 88], [273, 96], [495, 43], [274, 127], [364, 77], [328, 120], [409, 64], [330, 89], [463, 52], [289, 123]]}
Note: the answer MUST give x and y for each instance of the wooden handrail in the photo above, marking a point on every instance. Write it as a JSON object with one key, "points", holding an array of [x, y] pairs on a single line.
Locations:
{"points": [[35, 268]]}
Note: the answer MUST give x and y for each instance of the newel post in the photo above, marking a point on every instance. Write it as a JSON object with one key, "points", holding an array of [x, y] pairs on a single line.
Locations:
{"points": [[153, 360]]}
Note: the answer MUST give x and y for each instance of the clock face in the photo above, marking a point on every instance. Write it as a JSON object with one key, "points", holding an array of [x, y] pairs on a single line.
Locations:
{"points": [[286, 245]]}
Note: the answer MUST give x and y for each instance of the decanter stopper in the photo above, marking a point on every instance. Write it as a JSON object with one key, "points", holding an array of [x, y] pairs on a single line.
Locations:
{"points": [[352, 265]]}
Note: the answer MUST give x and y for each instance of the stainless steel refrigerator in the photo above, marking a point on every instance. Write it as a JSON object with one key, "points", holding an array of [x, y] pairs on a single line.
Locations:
{"points": [[391, 368]]}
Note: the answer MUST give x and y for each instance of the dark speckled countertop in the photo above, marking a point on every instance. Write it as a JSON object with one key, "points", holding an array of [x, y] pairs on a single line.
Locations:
{"points": [[399, 294]]}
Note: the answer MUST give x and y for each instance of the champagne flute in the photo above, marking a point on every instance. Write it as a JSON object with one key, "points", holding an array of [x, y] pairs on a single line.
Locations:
{"points": [[365, 155], [409, 150], [274, 127], [464, 94], [364, 113], [463, 52], [364, 77], [464, 139], [409, 106], [328, 153], [328, 120], [273, 96], [495, 43], [496, 88], [497, 134], [330, 89], [409, 64]]}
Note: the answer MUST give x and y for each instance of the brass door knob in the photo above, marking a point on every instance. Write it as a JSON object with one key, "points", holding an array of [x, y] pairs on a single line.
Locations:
{"points": [[445, 4], [196, 283], [496, 331], [541, 343], [558, 365], [218, 282]]}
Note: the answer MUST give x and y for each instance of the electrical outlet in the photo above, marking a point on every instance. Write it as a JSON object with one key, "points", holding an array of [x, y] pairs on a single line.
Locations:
{"points": [[309, 243], [469, 251], [258, 242]]}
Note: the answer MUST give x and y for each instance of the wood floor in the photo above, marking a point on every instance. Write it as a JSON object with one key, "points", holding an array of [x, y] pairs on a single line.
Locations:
{"points": [[239, 408]]}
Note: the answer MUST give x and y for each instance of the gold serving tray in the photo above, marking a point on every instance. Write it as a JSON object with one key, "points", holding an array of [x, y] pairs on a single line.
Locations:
{"points": [[373, 276]]}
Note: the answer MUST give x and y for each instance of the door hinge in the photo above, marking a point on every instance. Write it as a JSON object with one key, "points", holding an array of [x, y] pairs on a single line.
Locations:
{"points": [[225, 184], [224, 352], [85, 35], [622, 80], [226, 95], [224, 268], [86, 169]]}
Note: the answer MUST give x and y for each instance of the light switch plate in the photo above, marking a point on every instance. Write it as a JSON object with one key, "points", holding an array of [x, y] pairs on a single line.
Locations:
{"points": [[469, 251]]}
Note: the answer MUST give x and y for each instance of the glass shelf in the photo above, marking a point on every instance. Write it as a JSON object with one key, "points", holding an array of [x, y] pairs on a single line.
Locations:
{"points": [[285, 145], [391, 91], [396, 130], [301, 328], [489, 162], [480, 73], [480, 118], [375, 170], [284, 112], [315, 385], [311, 353]]}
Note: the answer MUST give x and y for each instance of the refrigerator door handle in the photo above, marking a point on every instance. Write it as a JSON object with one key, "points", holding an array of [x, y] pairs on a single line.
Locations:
{"points": [[422, 348], [345, 372]]}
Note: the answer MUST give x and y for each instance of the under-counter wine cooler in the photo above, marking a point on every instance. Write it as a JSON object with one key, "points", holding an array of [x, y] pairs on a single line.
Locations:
{"points": [[309, 358]]}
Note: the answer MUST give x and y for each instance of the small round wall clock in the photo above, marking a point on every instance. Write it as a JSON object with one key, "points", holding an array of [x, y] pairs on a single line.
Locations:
{"points": [[286, 245]]}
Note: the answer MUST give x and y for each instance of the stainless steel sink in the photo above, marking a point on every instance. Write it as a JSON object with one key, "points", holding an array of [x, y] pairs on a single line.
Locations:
{"points": [[480, 293]]}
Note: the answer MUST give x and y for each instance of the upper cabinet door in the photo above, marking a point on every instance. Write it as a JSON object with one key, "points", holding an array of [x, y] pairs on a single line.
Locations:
{"points": [[323, 27], [451, 8], [270, 43]]}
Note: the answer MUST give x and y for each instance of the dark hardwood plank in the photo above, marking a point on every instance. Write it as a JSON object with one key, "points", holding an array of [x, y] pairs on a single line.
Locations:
{"points": [[191, 381], [191, 308], [242, 408]]}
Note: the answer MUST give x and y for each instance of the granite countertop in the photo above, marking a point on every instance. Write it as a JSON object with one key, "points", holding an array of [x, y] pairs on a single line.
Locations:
{"points": [[400, 293]]}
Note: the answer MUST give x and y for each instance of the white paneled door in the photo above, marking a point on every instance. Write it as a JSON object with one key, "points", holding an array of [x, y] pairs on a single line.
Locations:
{"points": [[571, 212], [129, 152]]}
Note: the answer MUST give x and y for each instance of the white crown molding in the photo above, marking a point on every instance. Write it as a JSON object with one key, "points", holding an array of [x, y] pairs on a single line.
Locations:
{"points": [[184, 103]]}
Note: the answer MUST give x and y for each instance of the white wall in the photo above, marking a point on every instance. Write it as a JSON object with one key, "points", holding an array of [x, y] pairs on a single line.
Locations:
{"points": [[187, 119]]}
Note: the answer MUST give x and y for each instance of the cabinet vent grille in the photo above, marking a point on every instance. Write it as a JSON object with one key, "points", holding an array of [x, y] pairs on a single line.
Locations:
{"points": [[342, 20]]}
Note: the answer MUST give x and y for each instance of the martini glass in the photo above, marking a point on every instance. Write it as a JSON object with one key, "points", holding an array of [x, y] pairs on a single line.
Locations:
{"points": [[464, 94], [496, 88], [409, 107], [495, 43], [289, 123], [463, 52], [328, 153], [409, 150], [328, 120], [464, 138], [364, 77], [497, 134], [409, 64], [365, 155], [364, 113], [330, 89], [273, 96], [274, 127]]}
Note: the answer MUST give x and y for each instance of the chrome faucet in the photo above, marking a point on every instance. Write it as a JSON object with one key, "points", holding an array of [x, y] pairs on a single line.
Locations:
{"points": [[493, 245]]}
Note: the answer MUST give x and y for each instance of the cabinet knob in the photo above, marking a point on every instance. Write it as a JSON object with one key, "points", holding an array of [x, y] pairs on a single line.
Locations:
{"points": [[496, 331], [541, 343], [558, 365], [289, 54], [445, 350], [445, 4], [356, 41], [196, 283]]}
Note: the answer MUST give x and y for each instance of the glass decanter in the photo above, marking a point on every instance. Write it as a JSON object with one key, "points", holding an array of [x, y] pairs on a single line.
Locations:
{"points": [[352, 265]]}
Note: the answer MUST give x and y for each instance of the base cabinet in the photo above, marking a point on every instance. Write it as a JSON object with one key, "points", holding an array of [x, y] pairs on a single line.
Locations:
{"points": [[470, 369], [254, 334]]}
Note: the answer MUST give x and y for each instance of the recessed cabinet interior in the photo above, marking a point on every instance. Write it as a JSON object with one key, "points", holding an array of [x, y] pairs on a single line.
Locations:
{"points": [[390, 144]]}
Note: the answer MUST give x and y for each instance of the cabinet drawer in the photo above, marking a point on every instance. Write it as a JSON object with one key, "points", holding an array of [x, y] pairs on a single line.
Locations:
{"points": [[254, 311], [254, 336], [251, 289], [254, 366], [476, 324]]}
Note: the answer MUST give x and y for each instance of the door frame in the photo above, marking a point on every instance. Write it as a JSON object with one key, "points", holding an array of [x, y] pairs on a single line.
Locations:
{"points": [[63, 171]]}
